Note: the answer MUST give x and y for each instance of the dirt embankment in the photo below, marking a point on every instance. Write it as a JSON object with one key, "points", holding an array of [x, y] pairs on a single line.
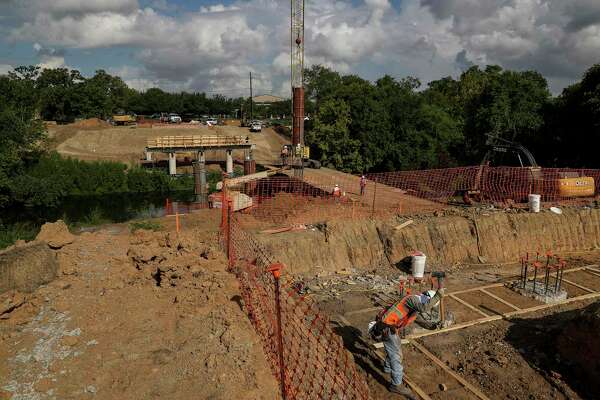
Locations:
{"points": [[494, 237], [134, 316], [97, 140]]}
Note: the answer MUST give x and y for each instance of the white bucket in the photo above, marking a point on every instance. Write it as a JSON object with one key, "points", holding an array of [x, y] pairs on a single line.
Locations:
{"points": [[534, 202], [418, 264]]}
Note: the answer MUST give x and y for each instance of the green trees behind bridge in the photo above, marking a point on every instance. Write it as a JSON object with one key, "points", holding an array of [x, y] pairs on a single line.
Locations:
{"points": [[395, 124]]}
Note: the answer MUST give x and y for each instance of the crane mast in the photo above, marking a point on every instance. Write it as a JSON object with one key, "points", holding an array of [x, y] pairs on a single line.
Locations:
{"points": [[297, 54]]}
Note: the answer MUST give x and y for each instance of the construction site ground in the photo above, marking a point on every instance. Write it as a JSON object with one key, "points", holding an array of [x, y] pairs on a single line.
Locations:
{"points": [[97, 140], [386, 197], [156, 315], [144, 315], [511, 358]]}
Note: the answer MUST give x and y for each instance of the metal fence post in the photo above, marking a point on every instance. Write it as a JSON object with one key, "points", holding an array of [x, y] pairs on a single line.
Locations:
{"points": [[275, 269], [230, 252]]}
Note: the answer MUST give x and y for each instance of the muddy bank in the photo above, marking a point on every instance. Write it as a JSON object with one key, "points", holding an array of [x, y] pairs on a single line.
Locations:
{"points": [[494, 237]]}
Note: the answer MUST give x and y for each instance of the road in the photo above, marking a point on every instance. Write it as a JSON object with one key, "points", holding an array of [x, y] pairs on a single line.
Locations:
{"points": [[386, 197]]}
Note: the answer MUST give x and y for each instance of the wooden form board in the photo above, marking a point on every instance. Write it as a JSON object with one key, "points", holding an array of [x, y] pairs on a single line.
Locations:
{"points": [[592, 294], [194, 141], [415, 388]]}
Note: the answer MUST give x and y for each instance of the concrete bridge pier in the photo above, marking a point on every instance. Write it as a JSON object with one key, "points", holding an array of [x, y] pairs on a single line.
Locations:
{"points": [[172, 164], [200, 178], [229, 168]]}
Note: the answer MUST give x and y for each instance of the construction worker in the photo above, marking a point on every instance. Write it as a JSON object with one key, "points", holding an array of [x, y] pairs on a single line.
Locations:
{"points": [[386, 329], [337, 193], [284, 154], [363, 185]]}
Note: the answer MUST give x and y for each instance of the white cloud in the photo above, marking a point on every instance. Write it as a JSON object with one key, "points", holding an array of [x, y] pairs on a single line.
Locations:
{"points": [[215, 47], [5, 69]]}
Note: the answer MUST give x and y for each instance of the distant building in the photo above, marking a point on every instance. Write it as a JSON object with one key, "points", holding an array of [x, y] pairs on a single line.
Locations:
{"points": [[266, 100]]}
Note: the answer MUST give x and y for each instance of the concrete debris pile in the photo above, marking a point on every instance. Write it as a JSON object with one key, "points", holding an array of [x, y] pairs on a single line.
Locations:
{"points": [[350, 280]]}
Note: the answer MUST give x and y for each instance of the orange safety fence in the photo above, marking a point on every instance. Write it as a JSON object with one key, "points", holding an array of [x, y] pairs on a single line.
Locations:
{"points": [[284, 198], [304, 352], [494, 184]]}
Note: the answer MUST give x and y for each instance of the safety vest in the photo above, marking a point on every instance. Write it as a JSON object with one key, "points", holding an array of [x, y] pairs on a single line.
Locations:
{"points": [[399, 315]]}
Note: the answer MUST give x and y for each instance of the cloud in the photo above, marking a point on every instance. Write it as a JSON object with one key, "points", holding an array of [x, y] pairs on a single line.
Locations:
{"points": [[214, 47], [5, 69], [50, 57], [559, 38]]}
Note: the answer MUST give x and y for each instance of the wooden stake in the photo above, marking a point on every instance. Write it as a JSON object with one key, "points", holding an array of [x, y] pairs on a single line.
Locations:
{"points": [[470, 306], [408, 381], [505, 315], [577, 285], [492, 295]]}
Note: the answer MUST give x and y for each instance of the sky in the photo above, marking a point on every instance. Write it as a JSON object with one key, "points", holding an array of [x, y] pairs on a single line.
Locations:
{"points": [[206, 45]]}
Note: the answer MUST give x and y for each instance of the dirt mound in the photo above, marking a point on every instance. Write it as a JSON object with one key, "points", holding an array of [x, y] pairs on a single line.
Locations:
{"points": [[90, 123], [135, 316], [170, 260], [579, 344], [56, 234]]}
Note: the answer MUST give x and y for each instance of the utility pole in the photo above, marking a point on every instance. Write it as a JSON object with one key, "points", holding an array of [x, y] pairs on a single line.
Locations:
{"points": [[251, 100]]}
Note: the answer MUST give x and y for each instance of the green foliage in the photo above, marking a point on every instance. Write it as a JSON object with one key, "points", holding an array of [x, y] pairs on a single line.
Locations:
{"points": [[331, 134], [147, 225], [9, 234], [51, 178], [396, 127]]}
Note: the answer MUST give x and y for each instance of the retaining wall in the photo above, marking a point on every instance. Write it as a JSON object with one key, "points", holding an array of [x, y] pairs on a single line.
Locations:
{"points": [[495, 238], [25, 268]]}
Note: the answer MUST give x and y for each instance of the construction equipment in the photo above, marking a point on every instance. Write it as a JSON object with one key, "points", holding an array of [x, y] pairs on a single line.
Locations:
{"points": [[508, 153], [124, 119], [297, 79], [440, 276]]}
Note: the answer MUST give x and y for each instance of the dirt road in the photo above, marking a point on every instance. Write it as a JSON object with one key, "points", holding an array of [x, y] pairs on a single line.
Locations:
{"points": [[126, 144]]}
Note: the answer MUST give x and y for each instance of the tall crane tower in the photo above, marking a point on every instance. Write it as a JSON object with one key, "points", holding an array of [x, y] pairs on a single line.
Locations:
{"points": [[297, 54]]}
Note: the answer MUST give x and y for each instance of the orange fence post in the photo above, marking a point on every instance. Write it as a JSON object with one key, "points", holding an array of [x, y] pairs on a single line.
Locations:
{"points": [[230, 253], [275, 269]]}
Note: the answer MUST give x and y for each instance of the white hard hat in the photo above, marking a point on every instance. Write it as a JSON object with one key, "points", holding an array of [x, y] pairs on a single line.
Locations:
{"points": [[336, 185]]}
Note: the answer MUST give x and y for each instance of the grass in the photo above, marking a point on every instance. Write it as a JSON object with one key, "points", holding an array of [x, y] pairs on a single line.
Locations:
{"points": [[9, 234], [147, 225], [94, 218]]}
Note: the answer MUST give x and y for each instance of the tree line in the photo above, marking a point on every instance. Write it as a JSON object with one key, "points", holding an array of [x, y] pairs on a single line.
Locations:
{"points": [[64, 95], [394, 124], [33, 177]]}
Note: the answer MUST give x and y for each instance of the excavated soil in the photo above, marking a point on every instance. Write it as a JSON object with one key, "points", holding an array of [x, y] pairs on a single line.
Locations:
{"points": [[95, 141], [134, 316], [451, 239]]}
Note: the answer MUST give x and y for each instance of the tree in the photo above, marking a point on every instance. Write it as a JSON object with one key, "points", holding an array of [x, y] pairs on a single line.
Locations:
{"points": [[330, 137], [20, 130]]}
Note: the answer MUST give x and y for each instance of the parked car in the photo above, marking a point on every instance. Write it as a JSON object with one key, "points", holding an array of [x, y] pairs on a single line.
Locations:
{"points": [[256, 126], [174, 118], [212, 122]]}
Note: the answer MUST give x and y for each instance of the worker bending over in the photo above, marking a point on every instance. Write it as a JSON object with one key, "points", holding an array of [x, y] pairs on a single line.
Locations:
{"points": [[386, 329]]}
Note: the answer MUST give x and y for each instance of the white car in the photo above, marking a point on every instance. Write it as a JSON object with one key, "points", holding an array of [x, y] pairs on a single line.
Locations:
{"points": [[174, 118], [255, 126], [211, 122]]}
